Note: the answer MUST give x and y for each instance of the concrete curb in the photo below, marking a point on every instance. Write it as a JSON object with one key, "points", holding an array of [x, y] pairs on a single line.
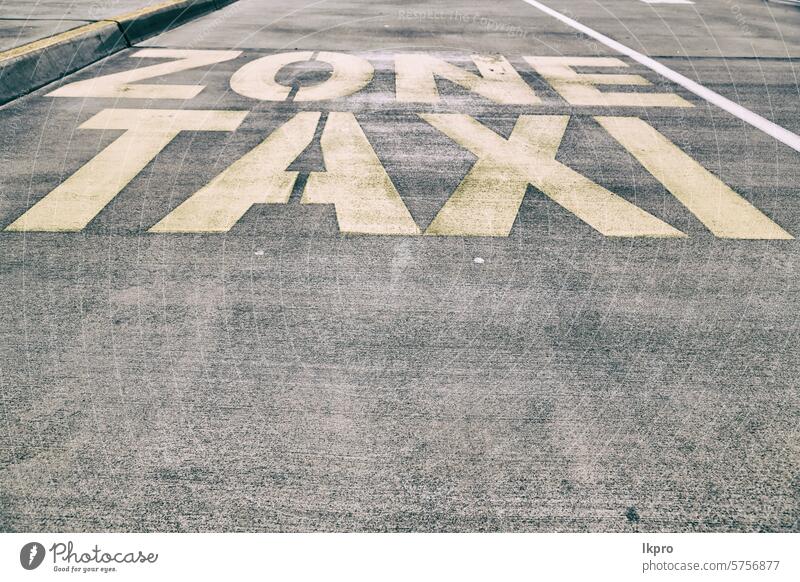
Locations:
{"points": [[147, 22], [26, 68]]}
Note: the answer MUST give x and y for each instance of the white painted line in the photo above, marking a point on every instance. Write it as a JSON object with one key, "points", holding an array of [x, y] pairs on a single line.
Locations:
{"points": [[765, 125], [667, 1]]}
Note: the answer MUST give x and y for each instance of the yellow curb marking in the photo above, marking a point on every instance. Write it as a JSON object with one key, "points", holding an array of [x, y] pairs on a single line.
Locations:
{"points": [[149, 9], [55, 39], [80, 30]]}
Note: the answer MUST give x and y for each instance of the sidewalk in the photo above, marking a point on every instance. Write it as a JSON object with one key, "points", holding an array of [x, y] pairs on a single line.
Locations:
{"points": [[42, 41], [23, 22]]}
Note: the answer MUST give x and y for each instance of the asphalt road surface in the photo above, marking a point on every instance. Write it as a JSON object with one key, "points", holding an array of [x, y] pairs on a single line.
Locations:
{"points": [[377, 266]]}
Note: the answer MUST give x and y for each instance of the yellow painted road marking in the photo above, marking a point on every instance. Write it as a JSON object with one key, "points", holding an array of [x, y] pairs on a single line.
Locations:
{"points": [[355, 182], [717, 206], [486, 202], [257, 79], [259, 177], [579, 89], [415, 76], [73, 204], [117, 85]]}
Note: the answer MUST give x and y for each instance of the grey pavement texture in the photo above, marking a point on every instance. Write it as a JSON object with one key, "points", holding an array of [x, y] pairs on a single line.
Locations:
{"points": [[287, 377], [22, 22]]}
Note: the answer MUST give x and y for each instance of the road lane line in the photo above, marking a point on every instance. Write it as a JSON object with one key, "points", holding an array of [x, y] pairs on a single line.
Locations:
{"points": [[772, 129]]}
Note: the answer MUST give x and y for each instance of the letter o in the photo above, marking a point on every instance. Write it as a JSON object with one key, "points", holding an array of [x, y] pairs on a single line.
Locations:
{"points": [[257, 79]]}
